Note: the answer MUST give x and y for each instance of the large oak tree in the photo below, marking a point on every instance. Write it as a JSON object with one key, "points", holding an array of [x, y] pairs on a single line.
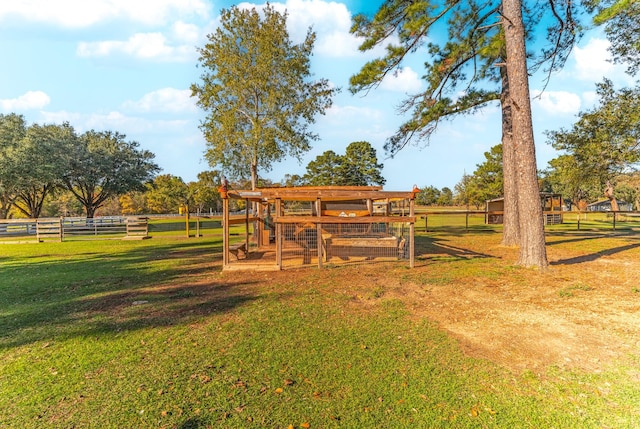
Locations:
{"points": [[12, 130], [39, 162], [103, 165]]}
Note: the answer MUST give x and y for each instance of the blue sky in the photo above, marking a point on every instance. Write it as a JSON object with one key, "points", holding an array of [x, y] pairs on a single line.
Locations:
{"points": [[126, 65]]}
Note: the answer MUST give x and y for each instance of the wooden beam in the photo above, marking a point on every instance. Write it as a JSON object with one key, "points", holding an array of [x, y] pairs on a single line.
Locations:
{"points": [[344, 220]]}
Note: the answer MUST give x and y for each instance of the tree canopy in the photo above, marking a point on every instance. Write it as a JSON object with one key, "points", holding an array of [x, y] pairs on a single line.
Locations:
{"points": [[621, 20], [203, 194], [603, 144], [12, 130], [357, 167], [485, 183], [257, 92], [464, 72], [104, 165], [37, 161], [166, 194], [430, 196]]}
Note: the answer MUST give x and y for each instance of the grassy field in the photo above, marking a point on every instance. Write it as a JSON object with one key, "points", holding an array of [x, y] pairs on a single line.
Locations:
{"points": [[150, 334]]}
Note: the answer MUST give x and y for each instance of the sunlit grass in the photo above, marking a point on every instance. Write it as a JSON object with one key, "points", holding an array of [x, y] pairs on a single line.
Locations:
{"points": [[116, 334]]}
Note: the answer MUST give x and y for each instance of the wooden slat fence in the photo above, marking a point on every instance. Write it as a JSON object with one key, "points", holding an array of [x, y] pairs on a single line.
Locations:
{"points": [[59, 229]]}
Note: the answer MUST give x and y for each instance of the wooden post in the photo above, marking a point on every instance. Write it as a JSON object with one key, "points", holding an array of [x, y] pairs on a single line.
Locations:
{"points": [[186, 218], [279, 234], [412, 233], [614, 221], [319, 230], [246, 224], [225, 232]]}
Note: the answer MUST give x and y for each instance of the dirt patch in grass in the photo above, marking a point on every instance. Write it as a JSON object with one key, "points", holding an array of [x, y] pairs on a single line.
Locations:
{"points": [[582, 313]]}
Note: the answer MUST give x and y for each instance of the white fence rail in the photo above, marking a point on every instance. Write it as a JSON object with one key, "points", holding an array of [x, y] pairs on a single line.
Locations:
{"points": [[15, 230]]}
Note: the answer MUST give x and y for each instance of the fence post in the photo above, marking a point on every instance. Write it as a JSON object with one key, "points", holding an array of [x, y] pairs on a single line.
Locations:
{"points": [[61, 220], [186, 218], [614, 221]]}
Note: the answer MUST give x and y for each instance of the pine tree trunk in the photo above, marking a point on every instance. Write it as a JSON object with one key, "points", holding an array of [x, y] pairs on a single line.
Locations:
{"points": [[532, 240], [510, 231]]}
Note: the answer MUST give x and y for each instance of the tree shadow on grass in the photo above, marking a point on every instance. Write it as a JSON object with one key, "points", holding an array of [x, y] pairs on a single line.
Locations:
{"points": [[100, 293], [437, 248], [578, 236], [596, 255]]}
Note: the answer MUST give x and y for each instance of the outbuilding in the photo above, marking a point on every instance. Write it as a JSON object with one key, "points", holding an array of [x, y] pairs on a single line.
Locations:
{"points": [[307, 226]]}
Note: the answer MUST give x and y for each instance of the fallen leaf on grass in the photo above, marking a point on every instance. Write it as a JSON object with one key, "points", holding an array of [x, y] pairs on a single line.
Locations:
{"points": [[279, 390], [305, 425]]}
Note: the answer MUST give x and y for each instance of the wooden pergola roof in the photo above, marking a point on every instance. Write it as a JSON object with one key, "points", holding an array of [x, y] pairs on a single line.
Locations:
{"points": [[325, 193]]}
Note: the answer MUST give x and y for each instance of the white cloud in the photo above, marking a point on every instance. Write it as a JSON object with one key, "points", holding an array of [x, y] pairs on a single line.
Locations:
{"points": [[163, 100], [28, 101], [331, 21], [593, 60], [593, 63], [557, 102], [141, 45], [115, 120], [347, 113], [188, 33], [84, 13], [590, 98], [403, 80]]}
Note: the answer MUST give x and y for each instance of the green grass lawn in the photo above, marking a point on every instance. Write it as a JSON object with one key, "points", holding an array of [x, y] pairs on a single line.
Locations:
{"points": [[150, 334]]}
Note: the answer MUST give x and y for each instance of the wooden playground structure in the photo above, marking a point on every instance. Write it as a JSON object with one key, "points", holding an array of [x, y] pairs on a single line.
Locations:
{"points": [[306, 226]]}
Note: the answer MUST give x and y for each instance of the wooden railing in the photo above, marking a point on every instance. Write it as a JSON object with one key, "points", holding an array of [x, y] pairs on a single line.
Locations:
{"points": [[57, 229]]}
